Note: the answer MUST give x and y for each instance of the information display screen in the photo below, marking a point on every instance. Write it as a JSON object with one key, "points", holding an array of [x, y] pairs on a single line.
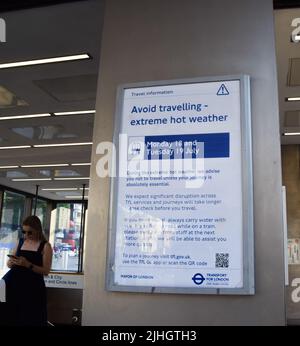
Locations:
{"points": [[181, 201]]}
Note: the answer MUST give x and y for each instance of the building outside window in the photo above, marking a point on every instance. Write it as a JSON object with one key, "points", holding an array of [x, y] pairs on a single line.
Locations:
{"points": [[65, 236]]}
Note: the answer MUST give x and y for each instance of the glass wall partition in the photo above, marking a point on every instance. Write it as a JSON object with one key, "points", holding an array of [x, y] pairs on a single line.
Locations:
{"points": [[11, 222], [65, 228], [66, 221]]}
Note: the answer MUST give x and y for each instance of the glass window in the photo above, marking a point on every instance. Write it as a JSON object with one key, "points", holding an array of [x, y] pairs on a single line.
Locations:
{"points": [[11, 224], [41, 211], [65, 236]]}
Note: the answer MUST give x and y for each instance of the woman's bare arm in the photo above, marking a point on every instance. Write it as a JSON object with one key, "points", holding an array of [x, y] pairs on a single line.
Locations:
{"points": [[47, 261]]}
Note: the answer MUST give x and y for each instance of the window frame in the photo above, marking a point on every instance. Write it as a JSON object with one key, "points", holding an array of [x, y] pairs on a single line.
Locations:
{"points": [[82, 233]]}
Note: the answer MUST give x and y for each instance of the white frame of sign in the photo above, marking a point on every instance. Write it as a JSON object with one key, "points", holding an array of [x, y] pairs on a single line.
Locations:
{"points": [[248, 287]]}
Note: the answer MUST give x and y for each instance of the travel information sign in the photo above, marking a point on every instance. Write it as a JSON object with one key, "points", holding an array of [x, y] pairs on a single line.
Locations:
{"points": [[181, 216]]}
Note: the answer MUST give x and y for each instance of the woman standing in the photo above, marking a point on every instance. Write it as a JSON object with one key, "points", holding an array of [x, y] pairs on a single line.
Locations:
{"points": [[25, 288]]}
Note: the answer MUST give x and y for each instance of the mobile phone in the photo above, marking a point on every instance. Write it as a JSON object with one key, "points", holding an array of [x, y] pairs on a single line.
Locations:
{"points": [[12, 256]]}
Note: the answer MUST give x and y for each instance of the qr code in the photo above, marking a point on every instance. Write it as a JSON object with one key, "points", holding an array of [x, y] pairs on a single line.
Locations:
{"points": [[222, 260]]}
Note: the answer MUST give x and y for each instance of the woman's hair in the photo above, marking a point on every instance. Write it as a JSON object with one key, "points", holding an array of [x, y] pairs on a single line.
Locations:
{"points": [[35, 223]]}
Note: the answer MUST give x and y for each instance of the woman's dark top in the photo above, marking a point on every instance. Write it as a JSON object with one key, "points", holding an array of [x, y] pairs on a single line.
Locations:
{"points": [[25, 290]]}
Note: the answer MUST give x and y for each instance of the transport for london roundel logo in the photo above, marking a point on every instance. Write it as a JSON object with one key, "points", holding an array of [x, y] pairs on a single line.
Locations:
{"points": [[198, 279]]}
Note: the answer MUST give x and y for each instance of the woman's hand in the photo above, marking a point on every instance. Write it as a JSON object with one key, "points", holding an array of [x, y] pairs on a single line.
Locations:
{"points": [[21, 261], [10, 263]]}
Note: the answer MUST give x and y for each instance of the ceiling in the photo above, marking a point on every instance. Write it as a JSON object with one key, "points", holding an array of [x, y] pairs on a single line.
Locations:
{"points": [[43, 32]]}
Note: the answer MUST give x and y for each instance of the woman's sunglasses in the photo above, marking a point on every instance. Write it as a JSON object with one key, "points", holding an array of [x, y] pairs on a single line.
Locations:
{"points": [[27, 232]]}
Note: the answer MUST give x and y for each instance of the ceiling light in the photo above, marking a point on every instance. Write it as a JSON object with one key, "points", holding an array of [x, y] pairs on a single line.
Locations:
{"points": [[12, 117], [16, 147], [80, 164], [62, 189], [73, 197], [7, 167], [291, 134], [293, 99], [45, 61], [61, 145], [48, 165], [41, 179], [75, 112], [80, 178]]}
